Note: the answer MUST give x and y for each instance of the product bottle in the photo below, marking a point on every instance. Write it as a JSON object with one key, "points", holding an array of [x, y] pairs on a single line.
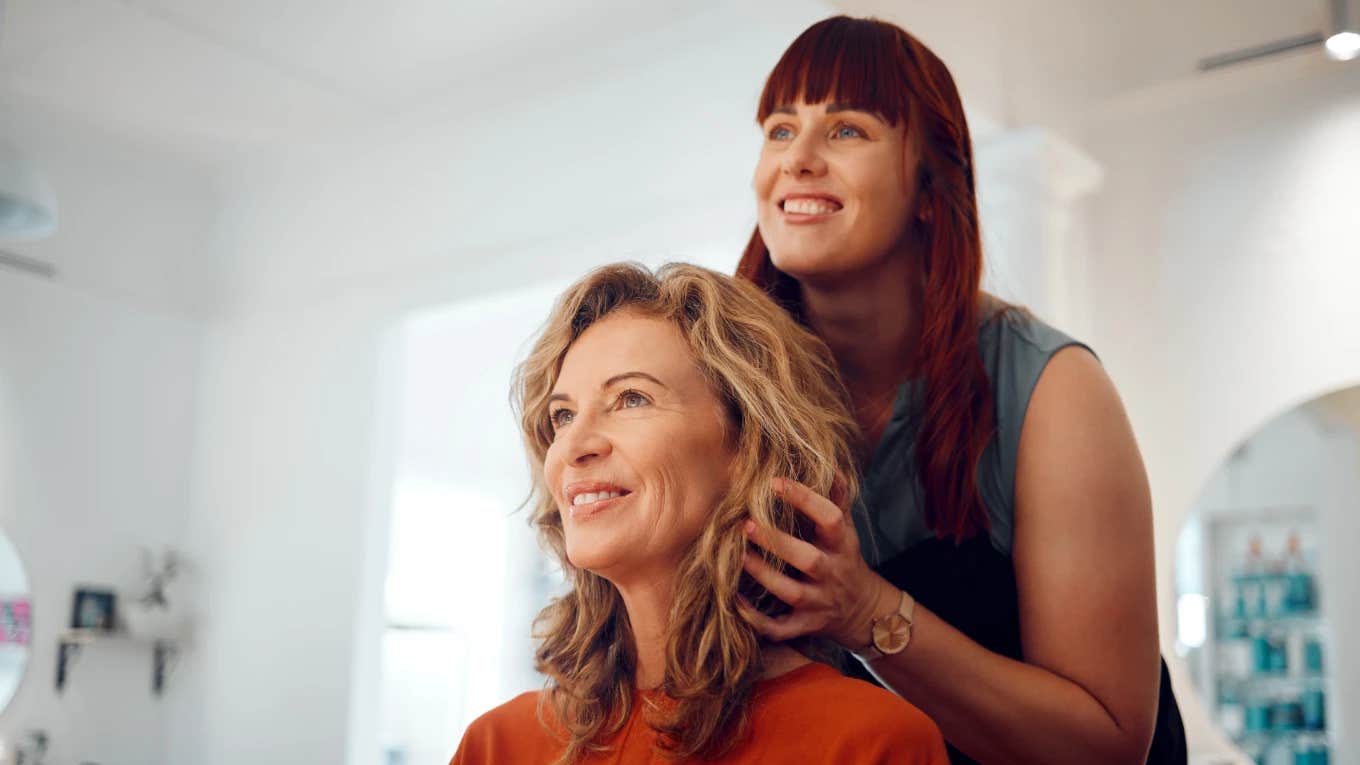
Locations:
{"points": [[1314, 702], [1280, 752], [1252, 580], [1299, 579], [1312, 654], [1275, 587]]}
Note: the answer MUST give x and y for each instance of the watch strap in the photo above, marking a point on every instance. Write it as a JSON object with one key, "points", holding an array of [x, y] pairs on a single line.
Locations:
{"points": [[906, 608]]}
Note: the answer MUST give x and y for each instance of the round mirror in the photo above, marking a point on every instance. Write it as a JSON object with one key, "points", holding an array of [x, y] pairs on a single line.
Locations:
{"points": [[1264, 573], [16, 620]]}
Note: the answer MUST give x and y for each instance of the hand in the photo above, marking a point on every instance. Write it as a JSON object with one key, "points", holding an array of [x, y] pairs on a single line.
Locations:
{"points": [[840, 596]]}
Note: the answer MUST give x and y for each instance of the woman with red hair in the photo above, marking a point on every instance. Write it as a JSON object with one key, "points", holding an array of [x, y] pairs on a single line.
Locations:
{"points": [[998, 572]]}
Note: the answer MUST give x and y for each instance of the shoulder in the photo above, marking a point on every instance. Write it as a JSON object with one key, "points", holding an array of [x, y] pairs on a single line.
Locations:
{"points": [[1017, 350], [1021, 353], [1076, 418], [845, 720], [1014, 336], [511, 732], [513, 712]]}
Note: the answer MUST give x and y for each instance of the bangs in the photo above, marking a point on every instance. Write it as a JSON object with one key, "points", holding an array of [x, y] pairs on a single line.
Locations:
{"points": [[856, 63]]}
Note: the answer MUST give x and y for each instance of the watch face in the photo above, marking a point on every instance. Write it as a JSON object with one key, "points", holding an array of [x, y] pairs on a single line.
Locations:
{"points": [[892, 633]]}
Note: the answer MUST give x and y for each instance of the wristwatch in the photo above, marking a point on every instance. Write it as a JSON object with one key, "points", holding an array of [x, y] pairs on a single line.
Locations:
{"points": [[889, 633]]}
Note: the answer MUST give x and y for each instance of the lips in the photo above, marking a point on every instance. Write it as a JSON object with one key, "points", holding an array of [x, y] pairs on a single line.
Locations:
{"points": [[586, 498], [810, 204]]}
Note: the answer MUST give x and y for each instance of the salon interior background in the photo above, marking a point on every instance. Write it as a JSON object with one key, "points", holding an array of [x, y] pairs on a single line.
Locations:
{"points": [[299, 245]]}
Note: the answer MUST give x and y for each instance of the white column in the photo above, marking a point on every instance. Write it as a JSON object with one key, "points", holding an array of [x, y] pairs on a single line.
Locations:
{"points": [[1031, 183]]}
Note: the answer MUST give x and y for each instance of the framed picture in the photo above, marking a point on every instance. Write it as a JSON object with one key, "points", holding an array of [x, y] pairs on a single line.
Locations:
{"points": [[93, 609], [16, 620]]}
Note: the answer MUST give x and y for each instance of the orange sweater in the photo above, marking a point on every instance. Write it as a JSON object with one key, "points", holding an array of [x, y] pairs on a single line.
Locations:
{"points": [[812, 714]]}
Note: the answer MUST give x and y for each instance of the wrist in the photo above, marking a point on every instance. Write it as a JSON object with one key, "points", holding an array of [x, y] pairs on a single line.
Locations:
{"points": [[883, 599], [890, 632]]}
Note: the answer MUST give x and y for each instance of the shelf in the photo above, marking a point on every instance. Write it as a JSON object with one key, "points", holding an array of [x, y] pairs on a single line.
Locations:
{"points": [[1267, 677], [70, 643], [87, 636], [1277, 735], [1306, 620]]}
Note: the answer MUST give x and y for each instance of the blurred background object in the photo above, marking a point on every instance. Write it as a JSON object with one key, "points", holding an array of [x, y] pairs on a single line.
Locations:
{"points": [[16, 620], [1338, 38], [1265, 578], [301, 245], [28, 209]]}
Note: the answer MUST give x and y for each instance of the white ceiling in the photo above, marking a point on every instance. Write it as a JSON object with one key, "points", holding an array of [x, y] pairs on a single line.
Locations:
{"points": [[253, 71], [265, 71], [211, 87], [1037, 61]]}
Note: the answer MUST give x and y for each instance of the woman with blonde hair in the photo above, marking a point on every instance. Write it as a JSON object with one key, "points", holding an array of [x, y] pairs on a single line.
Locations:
{"points": [[666, 412]]}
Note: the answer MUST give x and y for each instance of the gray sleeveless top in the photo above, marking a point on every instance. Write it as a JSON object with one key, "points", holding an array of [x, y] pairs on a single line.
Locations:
{"points": [[1015, 349], [971, 584]]}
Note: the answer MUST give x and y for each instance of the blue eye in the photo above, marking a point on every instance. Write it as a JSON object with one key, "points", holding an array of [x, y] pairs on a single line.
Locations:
{"points": [[848, 131], [780, 133], [560, 417], [631, 399]]}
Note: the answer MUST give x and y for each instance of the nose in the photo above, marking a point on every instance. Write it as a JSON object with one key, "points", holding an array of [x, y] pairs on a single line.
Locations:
{"points": [[803, 157], [585, 443]]}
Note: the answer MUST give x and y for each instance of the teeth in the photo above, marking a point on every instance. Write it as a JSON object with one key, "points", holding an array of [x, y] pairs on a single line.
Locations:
{"points": [[586, 498], [809, 206]]}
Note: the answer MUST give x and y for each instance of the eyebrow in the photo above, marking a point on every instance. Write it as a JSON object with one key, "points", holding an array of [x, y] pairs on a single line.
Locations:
{"points": [[830, 109], [616, 379]]}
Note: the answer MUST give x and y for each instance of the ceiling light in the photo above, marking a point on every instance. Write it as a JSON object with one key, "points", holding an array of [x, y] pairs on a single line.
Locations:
{"points": [[1343, 46]]}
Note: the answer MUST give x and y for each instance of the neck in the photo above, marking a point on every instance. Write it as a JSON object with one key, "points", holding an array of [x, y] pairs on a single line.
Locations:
{"points": [[648, 606], [870, 322], [648, 603]]}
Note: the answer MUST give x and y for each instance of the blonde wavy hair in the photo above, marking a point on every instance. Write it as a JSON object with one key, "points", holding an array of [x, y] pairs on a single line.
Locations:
{"points": [[787, 416]]}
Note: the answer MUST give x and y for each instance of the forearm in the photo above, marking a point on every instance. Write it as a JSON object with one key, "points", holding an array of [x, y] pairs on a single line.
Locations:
{"points": [[998, 710]]}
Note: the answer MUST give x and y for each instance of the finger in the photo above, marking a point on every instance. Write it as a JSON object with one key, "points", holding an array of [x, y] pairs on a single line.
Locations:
{"points": [[791, 591], [840, 492], [829, 519], [796, 552], [763, 623], [778, 629]]}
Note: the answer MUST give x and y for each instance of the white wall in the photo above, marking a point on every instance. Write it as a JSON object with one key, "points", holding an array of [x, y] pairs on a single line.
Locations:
{"points": [[98, 387], [1223, 269], [276, 529], [136, 222], [663, 129], [99, 400]]}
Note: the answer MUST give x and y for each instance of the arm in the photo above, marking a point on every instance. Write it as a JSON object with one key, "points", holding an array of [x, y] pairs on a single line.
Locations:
{"points": [[1087, 690]]}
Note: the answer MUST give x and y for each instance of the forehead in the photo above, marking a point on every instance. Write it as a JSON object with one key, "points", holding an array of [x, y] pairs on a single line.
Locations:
{"points": [[628, 342], [829, 106]]}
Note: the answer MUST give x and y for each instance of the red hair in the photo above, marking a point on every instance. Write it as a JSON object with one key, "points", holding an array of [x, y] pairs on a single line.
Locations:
{"points": [[876, 66]]}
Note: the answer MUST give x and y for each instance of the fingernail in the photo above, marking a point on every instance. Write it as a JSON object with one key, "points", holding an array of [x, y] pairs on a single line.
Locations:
{"points": [[750, 527]]}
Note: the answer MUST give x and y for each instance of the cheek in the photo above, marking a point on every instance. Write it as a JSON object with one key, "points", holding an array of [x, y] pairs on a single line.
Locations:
{"points": [[762, 181], [552, 471], [886, 206], [684, 487]]}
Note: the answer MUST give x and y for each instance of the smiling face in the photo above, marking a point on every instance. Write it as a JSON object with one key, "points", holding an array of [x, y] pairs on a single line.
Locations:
{"points": [[834, 189], [639, 457]]}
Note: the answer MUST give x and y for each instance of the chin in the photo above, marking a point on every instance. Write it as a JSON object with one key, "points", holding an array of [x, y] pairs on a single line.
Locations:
{"points": [[828, 266], [808, 264], [592, 557]]}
